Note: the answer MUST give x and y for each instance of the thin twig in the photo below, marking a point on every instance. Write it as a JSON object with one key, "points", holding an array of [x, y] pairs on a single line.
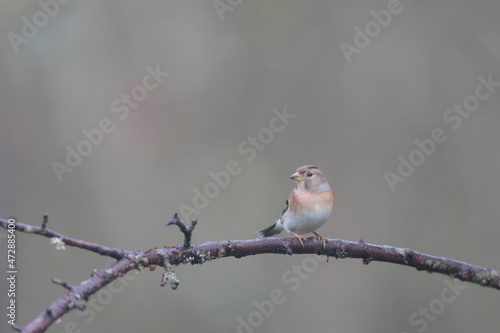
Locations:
{"points": [[187, 231], [45, 221], [102, 250], [62, 283]]}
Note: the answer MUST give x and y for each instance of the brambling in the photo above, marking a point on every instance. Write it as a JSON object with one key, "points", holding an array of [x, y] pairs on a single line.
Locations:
{"points": [[308, 207]]}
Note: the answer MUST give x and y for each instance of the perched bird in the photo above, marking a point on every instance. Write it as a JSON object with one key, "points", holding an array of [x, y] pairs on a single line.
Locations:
{"points": [[308, 207]]}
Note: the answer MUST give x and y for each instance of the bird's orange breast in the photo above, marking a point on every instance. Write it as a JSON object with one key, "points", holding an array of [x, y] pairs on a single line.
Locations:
{"points": [[311, 201]]}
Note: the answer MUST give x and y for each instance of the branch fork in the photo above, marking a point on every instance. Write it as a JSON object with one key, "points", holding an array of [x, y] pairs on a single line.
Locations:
{"points": [[186, 230]]}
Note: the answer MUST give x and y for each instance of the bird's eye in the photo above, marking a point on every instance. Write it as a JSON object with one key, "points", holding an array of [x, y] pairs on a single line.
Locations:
{"points": [[309, 174]]}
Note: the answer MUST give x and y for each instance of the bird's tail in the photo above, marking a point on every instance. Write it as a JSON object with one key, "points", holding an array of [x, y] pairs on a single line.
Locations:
{"points": [[275, 229]]}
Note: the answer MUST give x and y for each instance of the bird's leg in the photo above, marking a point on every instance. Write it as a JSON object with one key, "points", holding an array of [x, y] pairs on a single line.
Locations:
{"points": [[299, 237], [319, 237]]}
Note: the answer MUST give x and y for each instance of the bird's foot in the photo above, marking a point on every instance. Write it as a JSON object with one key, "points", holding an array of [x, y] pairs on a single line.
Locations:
{"points": [[299, 237], [323, 239]]}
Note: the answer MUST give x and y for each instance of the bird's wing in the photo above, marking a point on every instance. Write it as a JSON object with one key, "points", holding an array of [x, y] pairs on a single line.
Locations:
{"points": [[285, 208]]}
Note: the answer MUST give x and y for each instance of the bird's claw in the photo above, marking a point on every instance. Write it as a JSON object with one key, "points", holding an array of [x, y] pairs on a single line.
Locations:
{"points": [[300, 238], [323, 239]]}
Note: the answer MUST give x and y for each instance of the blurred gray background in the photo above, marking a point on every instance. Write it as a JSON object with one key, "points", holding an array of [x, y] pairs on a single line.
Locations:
{"points": [[227, 72]]}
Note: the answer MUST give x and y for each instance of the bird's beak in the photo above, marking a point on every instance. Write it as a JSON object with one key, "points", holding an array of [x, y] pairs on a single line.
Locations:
{"points": [[296, 177]]}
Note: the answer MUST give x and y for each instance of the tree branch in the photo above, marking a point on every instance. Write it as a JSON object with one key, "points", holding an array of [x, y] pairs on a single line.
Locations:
{"points": [[186, 231], [199, 254]]}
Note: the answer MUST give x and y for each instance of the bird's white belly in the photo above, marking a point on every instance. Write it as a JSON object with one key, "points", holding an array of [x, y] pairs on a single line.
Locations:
{"points": [[306, 222]]}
